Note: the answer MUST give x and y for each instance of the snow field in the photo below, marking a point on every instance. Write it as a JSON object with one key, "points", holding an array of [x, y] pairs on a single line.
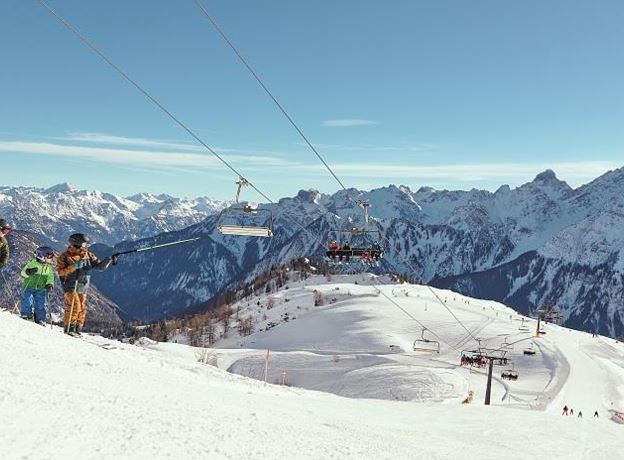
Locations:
{"points": [[62, 397]]}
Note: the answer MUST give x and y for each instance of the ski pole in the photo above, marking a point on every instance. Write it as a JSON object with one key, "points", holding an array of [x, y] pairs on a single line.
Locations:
{"points": [[7, 289], [71, 309], [116, 255], [49, 307]]}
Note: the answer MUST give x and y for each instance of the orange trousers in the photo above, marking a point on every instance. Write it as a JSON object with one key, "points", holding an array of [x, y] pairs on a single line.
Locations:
{"points": [[79, 310]]}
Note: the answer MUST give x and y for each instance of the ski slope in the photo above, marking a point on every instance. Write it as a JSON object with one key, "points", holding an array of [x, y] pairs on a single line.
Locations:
{"points": [[62, 397], [360, 345]]}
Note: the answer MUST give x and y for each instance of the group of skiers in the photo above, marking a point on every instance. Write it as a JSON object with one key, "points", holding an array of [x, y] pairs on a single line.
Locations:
{"points": [[73, 267], [570, 412], [367, 256]]}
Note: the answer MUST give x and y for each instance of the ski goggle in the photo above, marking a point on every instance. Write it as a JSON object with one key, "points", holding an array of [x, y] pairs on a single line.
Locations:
{"points": [[81, 246], [49, 255]]}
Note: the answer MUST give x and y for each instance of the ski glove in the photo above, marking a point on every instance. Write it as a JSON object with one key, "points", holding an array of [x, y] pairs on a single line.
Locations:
{"points": [[31, 271], [106, 263], [48, 287], [80, 264]]}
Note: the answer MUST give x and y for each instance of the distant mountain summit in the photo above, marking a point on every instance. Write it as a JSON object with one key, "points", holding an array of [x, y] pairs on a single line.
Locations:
{"points": [[55, 212]]}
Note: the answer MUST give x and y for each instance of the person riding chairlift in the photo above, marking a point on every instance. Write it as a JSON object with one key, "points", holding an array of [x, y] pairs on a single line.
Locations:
{"points": [[333, 246], [347, 249], [376, 252]]}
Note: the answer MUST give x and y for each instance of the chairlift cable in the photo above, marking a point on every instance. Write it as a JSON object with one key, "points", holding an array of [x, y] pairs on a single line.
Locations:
{"points": [[255, 75], [251, 70], [411, 316], [160, 106], [140, 88]]}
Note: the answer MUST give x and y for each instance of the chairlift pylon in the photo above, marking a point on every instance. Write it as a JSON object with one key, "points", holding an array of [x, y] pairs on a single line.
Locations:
{"points": [[245, 219], [424, 344]]}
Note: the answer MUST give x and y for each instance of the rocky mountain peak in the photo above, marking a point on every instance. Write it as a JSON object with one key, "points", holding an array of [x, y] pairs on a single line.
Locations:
{"points": [[65, 187]]}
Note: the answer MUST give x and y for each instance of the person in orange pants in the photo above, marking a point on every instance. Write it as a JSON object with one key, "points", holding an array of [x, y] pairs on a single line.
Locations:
{"points": [[74, 269], [75, 305]]}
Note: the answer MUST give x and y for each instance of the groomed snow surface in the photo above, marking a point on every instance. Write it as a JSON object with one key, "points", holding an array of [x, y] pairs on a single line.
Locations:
{"points": [[67, 398]]}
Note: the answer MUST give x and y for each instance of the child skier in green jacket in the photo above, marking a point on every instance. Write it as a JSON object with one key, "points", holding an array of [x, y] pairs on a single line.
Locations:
{"points": [[38, 279]]}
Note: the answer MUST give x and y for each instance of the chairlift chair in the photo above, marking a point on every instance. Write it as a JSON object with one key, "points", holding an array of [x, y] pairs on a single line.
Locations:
{"points": [[529, 351], [523, 328], [510, 374], [424, 344], [472, 358], [244, 219], [506, 345], [354, 243]]}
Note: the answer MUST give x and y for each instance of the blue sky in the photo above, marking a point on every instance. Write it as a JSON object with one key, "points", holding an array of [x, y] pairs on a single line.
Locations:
{"points": [[448, 94]]}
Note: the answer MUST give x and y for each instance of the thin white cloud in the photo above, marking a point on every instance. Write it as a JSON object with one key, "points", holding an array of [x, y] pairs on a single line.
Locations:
{"points": [[108, 139], [573, 172], [347, 123], [165, 144], [145, 158], [399, 148]]}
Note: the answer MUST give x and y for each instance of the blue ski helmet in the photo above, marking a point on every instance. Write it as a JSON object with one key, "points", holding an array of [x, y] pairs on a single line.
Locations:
{"points": [[44, 254]]}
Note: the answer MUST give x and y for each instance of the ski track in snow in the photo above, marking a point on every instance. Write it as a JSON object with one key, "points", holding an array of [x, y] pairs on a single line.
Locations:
{"points": [[66, 398]]}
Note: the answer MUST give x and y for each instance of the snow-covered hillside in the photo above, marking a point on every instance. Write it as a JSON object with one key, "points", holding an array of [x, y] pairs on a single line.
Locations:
{"points": [[58, 211], [360, 341], [97, 399]]}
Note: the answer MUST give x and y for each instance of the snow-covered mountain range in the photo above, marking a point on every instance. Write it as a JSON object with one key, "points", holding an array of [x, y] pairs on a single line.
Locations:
{"points": [[570, 240], [542, 242], [56, 212]]}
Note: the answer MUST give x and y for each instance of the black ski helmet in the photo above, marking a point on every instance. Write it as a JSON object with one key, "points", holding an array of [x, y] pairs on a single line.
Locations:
{"points": [[79, 240], [4, 224], [44, 253]]}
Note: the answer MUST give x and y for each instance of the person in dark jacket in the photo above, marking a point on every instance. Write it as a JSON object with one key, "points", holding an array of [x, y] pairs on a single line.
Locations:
{"points": [[5, 229], [37, 279], [74, 269]]}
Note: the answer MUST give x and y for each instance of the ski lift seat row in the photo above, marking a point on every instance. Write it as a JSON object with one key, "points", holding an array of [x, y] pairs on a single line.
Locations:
{"points": [[243, 219], [427, 345], [244, 230], [362, 243], [510, 374]]}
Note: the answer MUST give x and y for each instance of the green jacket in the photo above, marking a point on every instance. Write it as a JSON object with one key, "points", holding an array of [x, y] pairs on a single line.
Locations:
{"points": [[4, 251], [43, 277]]}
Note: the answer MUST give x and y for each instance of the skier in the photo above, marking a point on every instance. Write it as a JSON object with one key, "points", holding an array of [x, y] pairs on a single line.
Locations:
{"points": [[376, 252], [333, 249], [580, 414], [347, 250], [37, 279], [5, 229], [596, 415], [74, 267], [565, 410], [571, 411]]}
